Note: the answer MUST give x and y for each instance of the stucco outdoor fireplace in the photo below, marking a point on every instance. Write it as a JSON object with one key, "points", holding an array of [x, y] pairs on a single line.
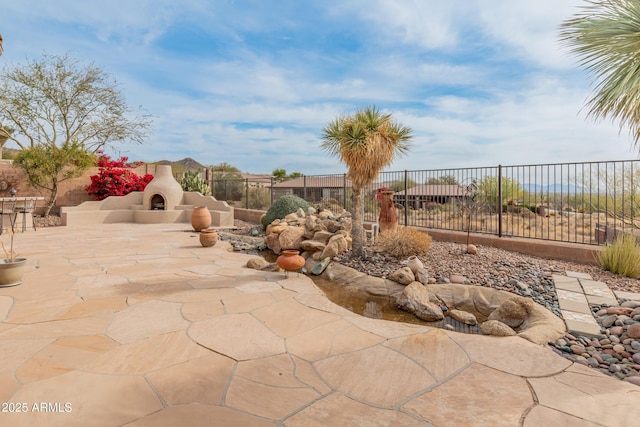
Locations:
{"points": [[162, 201]]}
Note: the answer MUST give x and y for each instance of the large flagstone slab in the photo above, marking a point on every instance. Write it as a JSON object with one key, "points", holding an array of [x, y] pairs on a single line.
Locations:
{"points": [[90, 307], [317, 343], [305, 372], [91, 399], [245, 303], [8, 385], [14, 352], [339, 410], [277, 317], [477, 396], [378, 376], [512, 355], [5, 305], [91, 325], [543, 416], [203, 380], [267, 401], [196, 311], [63, 355], [581, 392], [148, 355], [200, 416], [433, 350], [221, 333], [145, 320]]}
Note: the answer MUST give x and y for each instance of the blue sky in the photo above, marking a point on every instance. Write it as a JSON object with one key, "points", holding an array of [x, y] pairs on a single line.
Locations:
{"points": [[252, 83]]}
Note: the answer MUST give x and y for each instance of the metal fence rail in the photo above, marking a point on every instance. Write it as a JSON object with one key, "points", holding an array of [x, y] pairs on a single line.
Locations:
{"points": [[589, 203]]}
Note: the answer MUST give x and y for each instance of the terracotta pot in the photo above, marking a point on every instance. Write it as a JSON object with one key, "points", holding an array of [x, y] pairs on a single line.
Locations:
{"points": [[200, 218], [290, 260], [208, 237], [414, 264], [388, 218]]}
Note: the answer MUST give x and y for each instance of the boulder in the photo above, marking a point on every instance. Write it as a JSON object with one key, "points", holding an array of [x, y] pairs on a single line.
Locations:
{"points": [[422, 275], [273, 242], [472, 249], [416, 300], [337, 244], [312, 245], [463, 316], [512, 312], [322, 236], [257, 263], [403, 275], [320, 267], [291, 238], [496, 328]]}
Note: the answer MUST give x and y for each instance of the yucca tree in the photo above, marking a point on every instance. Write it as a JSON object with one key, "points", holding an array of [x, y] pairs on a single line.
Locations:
{"points": [[605, 36], [366, 142]]}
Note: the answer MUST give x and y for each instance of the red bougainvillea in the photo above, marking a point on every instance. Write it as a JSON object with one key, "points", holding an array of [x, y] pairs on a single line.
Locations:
{"points": [[115, 178]]}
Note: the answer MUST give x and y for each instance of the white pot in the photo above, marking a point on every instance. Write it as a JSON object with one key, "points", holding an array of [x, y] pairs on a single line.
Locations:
{"points": [[414, 264], [11, 272]]}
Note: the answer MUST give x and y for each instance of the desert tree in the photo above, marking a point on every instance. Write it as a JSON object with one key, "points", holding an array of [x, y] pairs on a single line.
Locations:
{"points": [[63, 112], [366, 142]]}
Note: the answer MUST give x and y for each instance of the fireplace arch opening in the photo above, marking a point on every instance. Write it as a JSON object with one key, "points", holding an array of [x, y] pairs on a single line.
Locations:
{"points": [[158, 203]]}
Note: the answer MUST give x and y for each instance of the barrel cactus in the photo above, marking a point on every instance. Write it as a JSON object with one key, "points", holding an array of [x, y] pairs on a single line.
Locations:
{"points": [[283, 207]]}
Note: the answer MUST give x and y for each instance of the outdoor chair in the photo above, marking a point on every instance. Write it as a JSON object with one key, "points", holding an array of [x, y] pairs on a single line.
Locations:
{"points": [[28, 208], [8, 207]]}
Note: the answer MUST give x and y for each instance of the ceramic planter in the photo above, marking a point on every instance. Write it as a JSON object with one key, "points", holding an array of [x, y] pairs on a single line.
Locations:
{"points": [[11, 272], [290, 260], [208, 237], [200, 218]]}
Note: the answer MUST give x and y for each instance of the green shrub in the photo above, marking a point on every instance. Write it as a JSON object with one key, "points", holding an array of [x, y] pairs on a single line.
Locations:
{"points": [[192, 181], [403, 242], [622, 257], [283, 207]]}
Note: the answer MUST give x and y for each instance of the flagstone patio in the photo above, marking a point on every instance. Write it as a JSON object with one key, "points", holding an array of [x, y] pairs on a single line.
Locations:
{"points": [[138, 325]]}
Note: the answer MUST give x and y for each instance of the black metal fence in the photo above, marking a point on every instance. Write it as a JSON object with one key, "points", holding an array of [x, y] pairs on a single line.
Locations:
{"points": [[588, 203]]}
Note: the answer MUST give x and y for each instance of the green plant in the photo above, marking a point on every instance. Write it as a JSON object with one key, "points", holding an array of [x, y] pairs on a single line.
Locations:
{"points": [[192, 181], [282, 207], [403, 242], [622, 256]]}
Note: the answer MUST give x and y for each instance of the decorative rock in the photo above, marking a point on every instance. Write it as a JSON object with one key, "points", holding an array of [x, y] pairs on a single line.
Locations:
{"points": [[257, 263], [336, 245], [633, 331], [457, 278], [618, 348], [415, 299], [512, 312], [403, 275], [291, 237], [619, 310], [422, 276], [463, 316], [320, 267], [312, 246], [496, 328], [472, 249], [616, 330], [608, 321], [577, 349], [630, 304], [414, 264]]}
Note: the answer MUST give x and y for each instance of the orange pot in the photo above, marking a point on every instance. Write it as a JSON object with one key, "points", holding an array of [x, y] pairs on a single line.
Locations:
{"points": [[290, 260]]}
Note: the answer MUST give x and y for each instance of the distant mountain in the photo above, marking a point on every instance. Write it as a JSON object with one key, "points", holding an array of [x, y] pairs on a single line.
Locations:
{"points": [[552, 188], [182, 165]]}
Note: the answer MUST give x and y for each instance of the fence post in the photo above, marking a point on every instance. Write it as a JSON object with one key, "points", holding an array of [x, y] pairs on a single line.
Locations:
{"points": [[344, 190], [406, 198], [304, 188], [246, 186], [271, 189], [499, 200]]}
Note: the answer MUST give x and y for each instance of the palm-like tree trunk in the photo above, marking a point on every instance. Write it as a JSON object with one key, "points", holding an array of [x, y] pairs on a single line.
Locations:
{"points": [[357, 229]]}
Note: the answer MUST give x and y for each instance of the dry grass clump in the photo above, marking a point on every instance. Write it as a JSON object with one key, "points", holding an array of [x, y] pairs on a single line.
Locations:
{"points": [[403, 242], [622, 257]]}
